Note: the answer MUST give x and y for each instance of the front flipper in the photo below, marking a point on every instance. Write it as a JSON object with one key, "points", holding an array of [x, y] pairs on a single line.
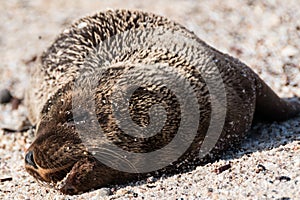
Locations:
{"points": [[88, 173]]}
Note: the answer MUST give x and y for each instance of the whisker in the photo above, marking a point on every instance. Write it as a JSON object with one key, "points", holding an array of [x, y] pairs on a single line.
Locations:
{"points": [[109, 152]]}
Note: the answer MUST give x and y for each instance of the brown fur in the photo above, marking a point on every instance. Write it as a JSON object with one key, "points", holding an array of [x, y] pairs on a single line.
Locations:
{"points": [[59, 150]]}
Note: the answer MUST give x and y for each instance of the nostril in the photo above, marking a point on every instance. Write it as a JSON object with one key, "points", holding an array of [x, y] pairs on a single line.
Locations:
{"points": [[29, 159]]}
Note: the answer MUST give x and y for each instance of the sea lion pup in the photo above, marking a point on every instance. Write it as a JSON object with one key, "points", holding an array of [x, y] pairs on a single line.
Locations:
{"points": [[120, 47]]}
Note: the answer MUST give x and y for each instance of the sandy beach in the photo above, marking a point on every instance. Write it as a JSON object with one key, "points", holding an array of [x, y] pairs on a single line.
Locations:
{"points": [[263, 34]]}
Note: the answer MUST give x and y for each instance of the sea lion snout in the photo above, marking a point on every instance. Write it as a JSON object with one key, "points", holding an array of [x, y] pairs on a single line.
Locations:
{"points": [[51, 156], [31, 165]]}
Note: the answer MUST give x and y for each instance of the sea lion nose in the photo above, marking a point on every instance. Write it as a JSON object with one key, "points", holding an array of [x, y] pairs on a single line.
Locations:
{"points": [[29, 159]]}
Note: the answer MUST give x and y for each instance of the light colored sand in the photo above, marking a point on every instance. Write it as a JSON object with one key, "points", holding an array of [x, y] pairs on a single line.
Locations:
{"points": [[263, 34]]}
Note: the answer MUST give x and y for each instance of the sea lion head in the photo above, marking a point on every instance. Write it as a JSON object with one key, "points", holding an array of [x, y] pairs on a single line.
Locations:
{"points": [[59, 153], [57, 146]]}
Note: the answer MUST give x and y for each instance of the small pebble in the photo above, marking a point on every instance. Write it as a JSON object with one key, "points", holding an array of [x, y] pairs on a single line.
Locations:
{"points": [[5, 179], [5, 96], [151, 179], [15, 103], [260, 168], [222, 168], [283, 178], [284, 198], [135, 194], [104, 192]]}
